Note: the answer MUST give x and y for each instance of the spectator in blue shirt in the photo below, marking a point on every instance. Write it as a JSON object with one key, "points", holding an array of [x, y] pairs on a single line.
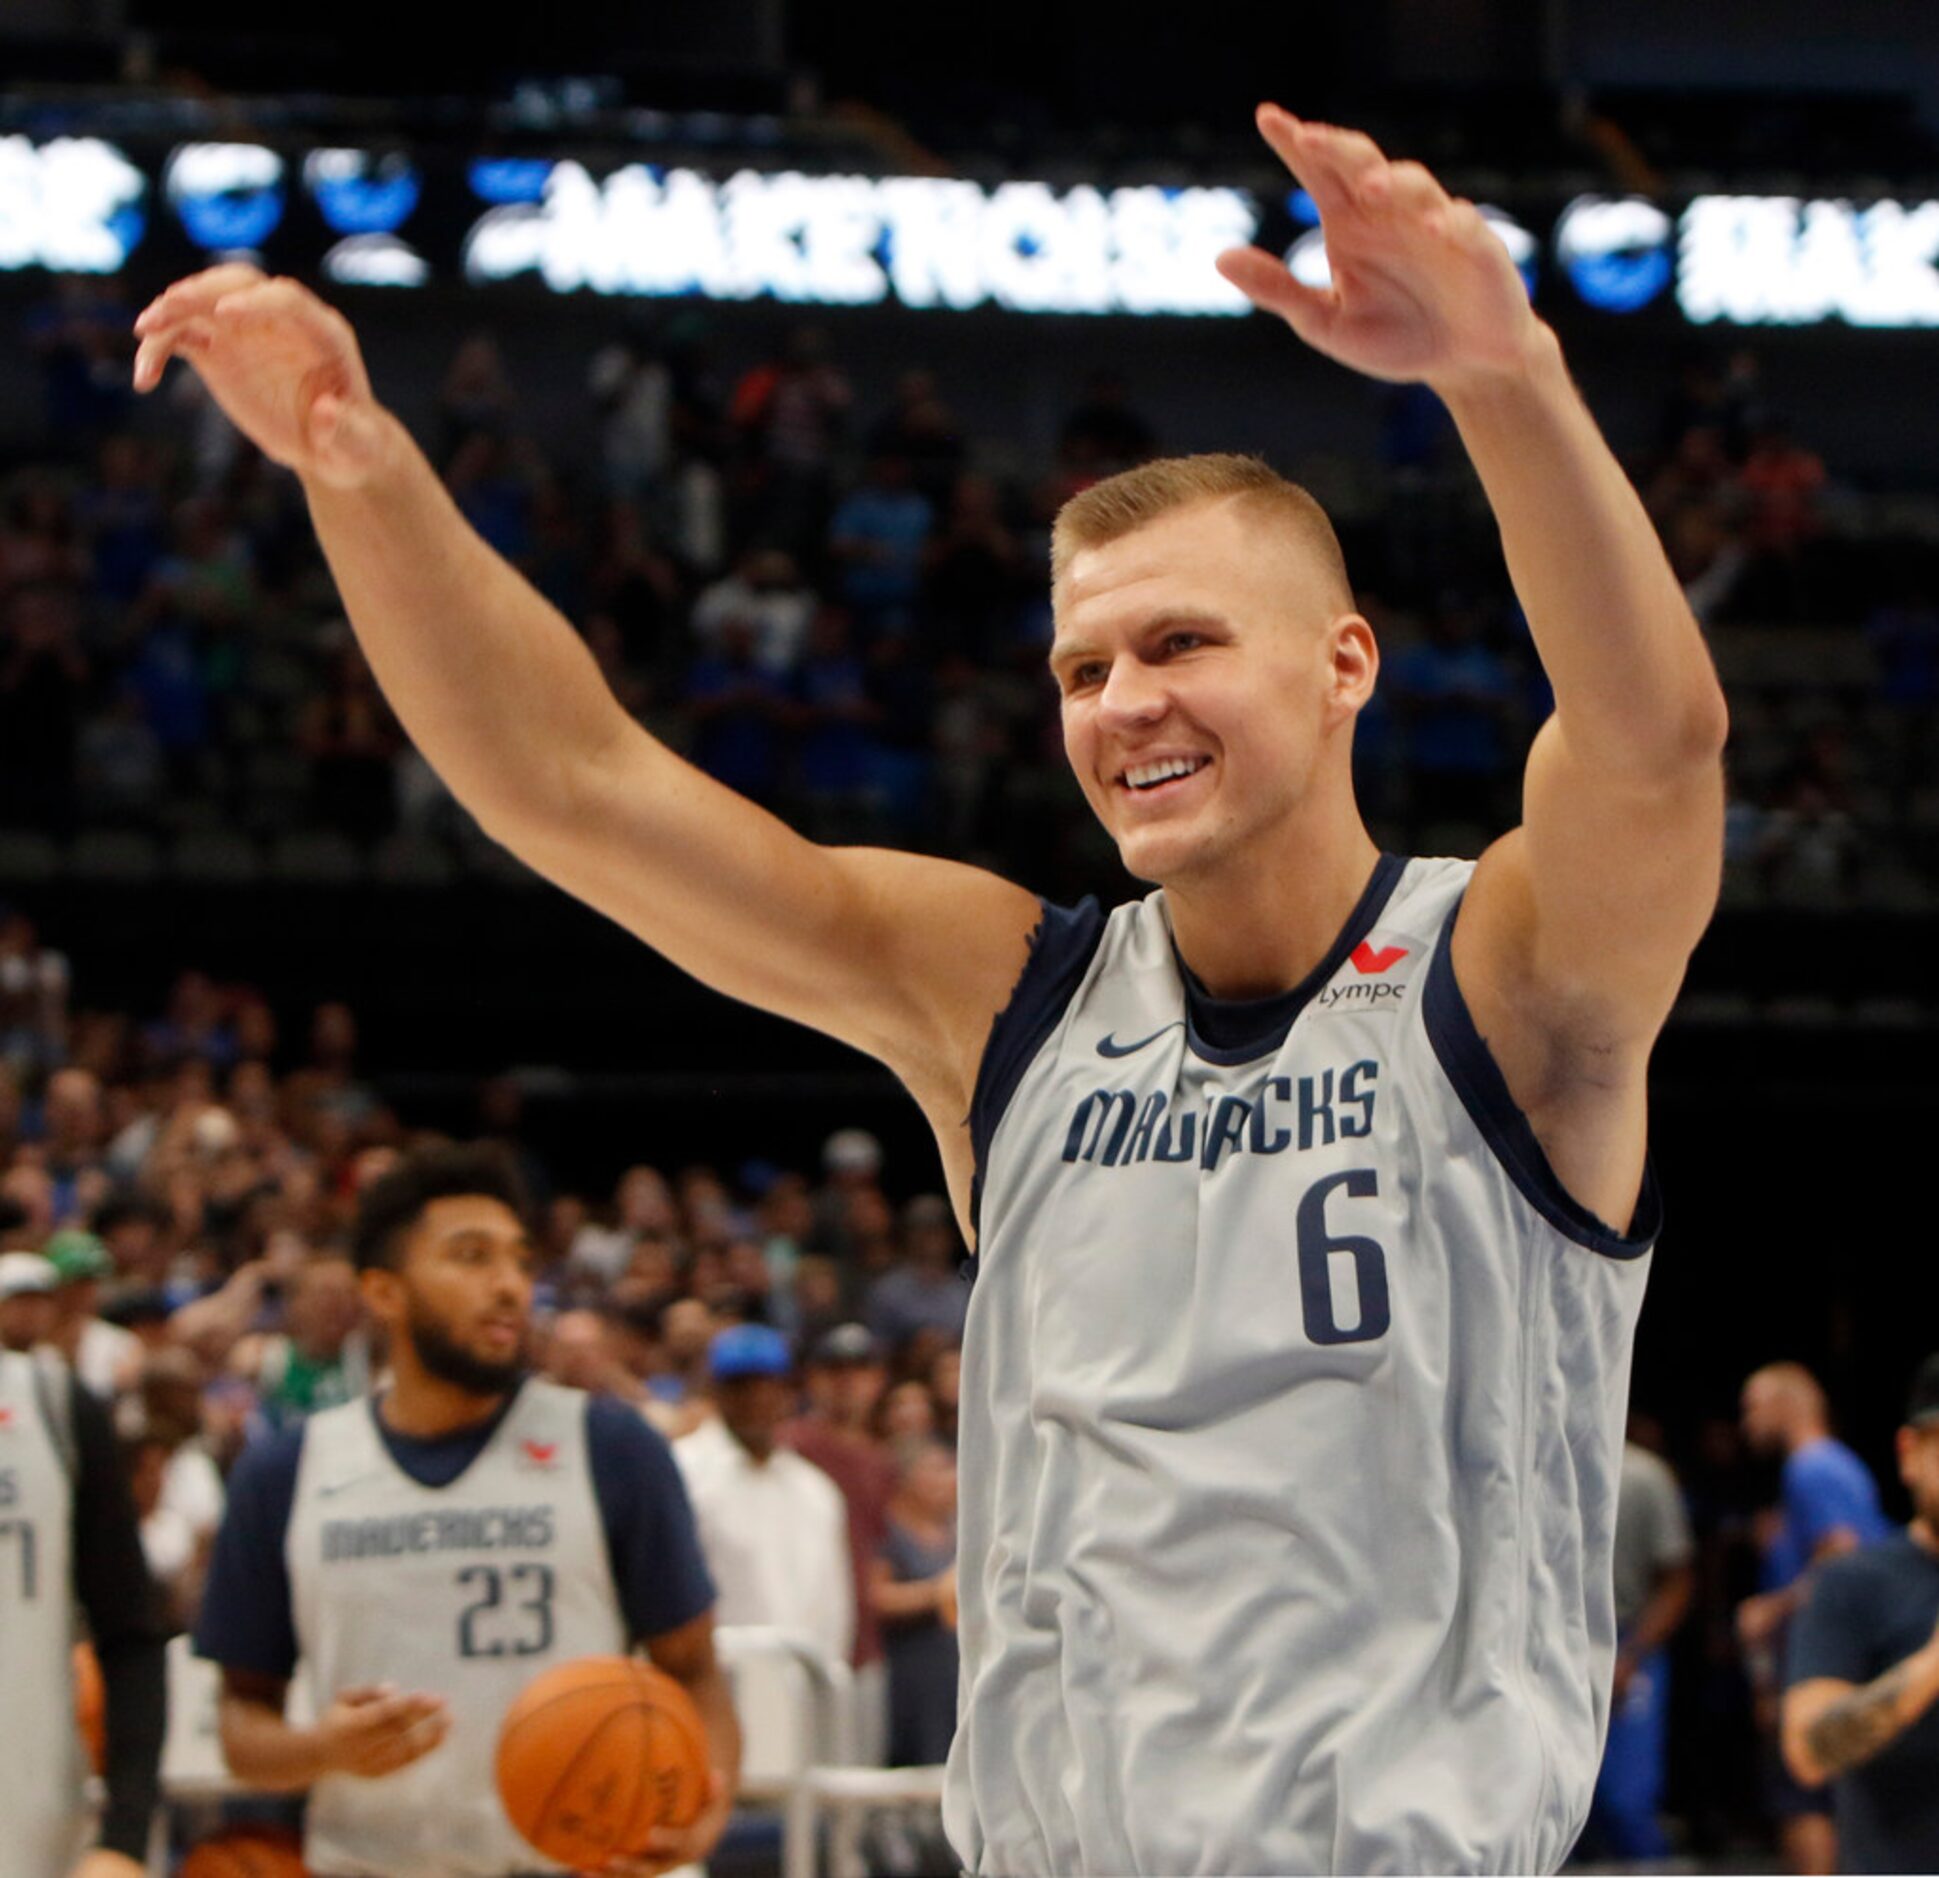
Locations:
{"points": [[1862, 1708], [1828, 1507], [878, 536]]}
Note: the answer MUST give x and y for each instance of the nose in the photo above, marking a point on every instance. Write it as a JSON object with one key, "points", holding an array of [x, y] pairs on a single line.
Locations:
{"points": [[1134, 693], [514, 1282]]}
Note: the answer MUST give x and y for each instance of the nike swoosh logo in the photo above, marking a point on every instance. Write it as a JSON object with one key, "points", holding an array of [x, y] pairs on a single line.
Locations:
{"points": [[329, 1489], [1111, 1047]]}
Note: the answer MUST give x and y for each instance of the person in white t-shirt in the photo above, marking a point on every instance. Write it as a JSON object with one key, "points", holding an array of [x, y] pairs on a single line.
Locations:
{"points": [[773, 1526]]}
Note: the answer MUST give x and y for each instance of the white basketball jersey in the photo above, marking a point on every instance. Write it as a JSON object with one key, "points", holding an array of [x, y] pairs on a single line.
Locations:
{"points": [[466, 1591], [41, 1768], [1292, 1404]]}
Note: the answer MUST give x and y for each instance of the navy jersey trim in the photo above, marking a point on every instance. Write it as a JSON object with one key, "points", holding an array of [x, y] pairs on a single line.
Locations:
{"points": [[1231, 1031], [1470, 1066], [246, 1621], [653, 1553], [439, 1461], [1061, 949]]}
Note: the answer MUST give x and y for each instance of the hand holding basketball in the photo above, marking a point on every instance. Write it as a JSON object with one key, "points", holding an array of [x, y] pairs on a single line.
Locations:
{"points": [[603, 1766], [370, 1732], [284, 367], [109, 1865], [1422, 288]]}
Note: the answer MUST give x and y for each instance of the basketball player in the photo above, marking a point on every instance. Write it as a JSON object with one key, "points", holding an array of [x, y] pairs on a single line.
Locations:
{"points": [[426, 1553], [68, 1535], [1309, 1192]]}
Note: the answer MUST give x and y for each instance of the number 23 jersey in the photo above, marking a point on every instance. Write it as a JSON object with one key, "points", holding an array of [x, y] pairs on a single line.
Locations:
{"points": [[467, 1590], [1292, 1415]]}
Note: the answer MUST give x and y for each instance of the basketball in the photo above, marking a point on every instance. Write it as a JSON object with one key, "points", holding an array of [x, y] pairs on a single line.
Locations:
{"points": [[91, 1705], [595, 1754], [254, 1852]]}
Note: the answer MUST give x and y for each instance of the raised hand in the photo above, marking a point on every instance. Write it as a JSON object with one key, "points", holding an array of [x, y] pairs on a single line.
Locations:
{"points": [[1422, 287], [283, 366]]}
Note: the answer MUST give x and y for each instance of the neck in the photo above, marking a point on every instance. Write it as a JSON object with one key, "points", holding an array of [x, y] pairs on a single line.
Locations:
{"points": [[1806, 1433], [760, 1452], [427, 1406], [1258, 926], [1925, 1535]]}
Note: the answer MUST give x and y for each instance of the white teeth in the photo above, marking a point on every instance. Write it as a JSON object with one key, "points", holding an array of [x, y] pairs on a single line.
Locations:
{"points": [[1143, 775]]}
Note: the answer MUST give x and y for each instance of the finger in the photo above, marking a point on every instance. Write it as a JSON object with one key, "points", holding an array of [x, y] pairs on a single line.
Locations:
{"points": [[197, 293], [1310, 311], [1333, 164], [1407, 185], [153, 354]]}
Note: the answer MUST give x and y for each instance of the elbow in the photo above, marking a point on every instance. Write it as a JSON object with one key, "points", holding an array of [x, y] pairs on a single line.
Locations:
{"points": [[1799, 1761], [1710, 724]]}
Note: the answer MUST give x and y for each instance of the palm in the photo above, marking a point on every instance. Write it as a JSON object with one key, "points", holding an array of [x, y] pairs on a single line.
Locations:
{"points": [[1422, 288]]}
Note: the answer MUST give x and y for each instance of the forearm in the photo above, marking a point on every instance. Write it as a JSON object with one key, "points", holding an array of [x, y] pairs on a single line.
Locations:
{"points": [[1634, 687], [715, 1700], [1662, 1612], [1860, 1725], [493, 686], [902, 1601], [268, 1752]]}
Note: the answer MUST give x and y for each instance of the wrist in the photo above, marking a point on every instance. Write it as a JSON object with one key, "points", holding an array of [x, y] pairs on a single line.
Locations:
{"points": [[1533, 369]]}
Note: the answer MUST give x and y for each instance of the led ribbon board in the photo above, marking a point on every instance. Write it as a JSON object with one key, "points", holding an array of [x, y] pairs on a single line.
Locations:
{"points": [[380, 218]]}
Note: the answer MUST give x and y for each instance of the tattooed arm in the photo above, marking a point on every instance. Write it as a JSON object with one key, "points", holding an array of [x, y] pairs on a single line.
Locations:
{"points": [[1830, 1726]]}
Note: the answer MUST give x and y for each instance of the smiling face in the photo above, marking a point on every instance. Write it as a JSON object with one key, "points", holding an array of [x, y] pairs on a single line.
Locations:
{"points": [[1210, 671]]}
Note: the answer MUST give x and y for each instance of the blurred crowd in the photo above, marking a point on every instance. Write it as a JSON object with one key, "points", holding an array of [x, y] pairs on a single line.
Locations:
{"points": [[839, 607], [175, 1194]]}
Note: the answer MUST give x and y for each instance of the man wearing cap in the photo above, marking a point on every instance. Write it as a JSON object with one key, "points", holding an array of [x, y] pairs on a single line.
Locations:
{"points": [[27, 1307], [103, 1355], [1862, 1708], [68, 1537], [773, 1527], [845, 1381]]}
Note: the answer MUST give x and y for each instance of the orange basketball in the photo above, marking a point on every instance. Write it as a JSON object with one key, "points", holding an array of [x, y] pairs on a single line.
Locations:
{"points": [[91, 1705], [247, 1852], [595, 1754]]}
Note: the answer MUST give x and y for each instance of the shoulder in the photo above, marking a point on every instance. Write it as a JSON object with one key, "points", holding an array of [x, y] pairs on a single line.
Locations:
{"points": [[813, 1483], [270, 1460], [1063, 942], [622, 1445]]}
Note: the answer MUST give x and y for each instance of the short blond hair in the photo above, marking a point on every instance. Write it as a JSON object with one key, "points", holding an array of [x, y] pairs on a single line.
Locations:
{"points": [[1109, 510]]}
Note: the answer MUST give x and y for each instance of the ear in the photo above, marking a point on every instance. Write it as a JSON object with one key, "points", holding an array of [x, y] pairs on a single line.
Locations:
{"points": [[1355, 660], [383, 1294]]}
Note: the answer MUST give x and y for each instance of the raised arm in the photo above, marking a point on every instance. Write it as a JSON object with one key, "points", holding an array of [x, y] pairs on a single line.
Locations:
{"points": [[903, 956], [1579, 925]]}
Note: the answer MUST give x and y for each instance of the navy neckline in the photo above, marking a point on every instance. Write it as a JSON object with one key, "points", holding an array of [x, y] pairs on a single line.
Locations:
{"points": [[424, 1457], [1229, 1031]]}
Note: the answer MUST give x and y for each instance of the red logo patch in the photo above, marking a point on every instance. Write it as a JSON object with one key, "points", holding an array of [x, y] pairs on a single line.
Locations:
{"points": [[1366, 959], [540, 1453], [6, 1416]]}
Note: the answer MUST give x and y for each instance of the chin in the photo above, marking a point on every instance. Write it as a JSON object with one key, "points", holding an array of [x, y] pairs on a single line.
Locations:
{"points": [[1162, 857]]}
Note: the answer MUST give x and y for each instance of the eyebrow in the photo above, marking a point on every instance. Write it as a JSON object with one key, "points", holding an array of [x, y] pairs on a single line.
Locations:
{"points": [[1064, 652]]}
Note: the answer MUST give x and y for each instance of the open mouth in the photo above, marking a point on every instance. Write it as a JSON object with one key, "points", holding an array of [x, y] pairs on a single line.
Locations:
{"points": [[1160, 775]]}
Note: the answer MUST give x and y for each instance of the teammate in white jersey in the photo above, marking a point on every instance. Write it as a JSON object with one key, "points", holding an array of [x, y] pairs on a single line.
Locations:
{"points": [[69, 1538], [1458, 1352], [422, 1555]]}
